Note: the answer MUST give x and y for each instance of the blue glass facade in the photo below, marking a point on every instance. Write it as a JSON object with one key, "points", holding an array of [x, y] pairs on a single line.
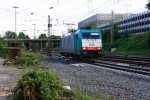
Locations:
{"points": [[134, 24]]}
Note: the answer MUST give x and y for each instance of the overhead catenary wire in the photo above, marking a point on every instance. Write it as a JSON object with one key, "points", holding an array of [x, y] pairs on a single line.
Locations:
{"points": [[76, 16], [105, 6]]}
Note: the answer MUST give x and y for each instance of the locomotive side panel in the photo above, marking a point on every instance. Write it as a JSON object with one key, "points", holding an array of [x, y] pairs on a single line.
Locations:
{"points": [[71, 44], [67, 44]]}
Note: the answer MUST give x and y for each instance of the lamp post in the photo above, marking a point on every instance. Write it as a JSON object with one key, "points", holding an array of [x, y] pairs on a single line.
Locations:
{"points": [[15, 7], [112, 30]]}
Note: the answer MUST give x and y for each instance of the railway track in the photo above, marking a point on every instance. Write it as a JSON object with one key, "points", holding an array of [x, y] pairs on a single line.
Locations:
{"points": [[134, 60], [127, 57], [122, 66], [135, 64]]}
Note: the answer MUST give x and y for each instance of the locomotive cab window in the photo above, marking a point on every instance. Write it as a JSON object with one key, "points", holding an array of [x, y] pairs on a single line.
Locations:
{"points": [[94, 36], [90, 35], [86, 35]]}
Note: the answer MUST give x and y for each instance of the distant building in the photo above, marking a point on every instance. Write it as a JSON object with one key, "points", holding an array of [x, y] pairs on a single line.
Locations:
{"points": [[133, 24], [100, 19]]}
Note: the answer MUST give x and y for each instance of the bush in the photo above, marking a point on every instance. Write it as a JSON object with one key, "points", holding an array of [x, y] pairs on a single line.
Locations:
{"points": [[44, 85], [28, 59], [3, 50], [38, 85], [4, 53]]}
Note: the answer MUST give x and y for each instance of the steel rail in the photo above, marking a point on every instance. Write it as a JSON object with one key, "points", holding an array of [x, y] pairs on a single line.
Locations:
{"points": [[123, 67], [140, 62]]}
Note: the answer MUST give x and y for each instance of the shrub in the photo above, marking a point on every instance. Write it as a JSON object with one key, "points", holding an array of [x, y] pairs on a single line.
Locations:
{"points": [[28, 59], [3, 50], [38, 85]]}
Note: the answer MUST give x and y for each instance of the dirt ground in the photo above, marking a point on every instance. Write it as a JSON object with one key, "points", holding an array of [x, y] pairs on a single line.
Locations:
{"points": [[8, 79]]}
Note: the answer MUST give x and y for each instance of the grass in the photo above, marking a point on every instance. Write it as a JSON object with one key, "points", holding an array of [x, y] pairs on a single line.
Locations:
{"points": [[134, 45], [78, 95]]}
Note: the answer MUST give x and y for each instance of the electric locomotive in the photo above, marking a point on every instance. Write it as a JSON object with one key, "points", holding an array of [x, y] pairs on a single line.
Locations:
{"points": [[82, 43]]}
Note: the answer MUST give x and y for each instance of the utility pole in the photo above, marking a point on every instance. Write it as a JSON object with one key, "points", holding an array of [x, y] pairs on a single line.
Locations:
{"points": [[49, 26], [15, 7], [49, 34], [34, 31], [112, 30]]}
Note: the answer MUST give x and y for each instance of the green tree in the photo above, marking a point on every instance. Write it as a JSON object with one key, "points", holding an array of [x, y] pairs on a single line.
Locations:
{"points": [[106, 35], [2, 43], [3, 50], [148, 5], [106, 38], [125, 34], [27, 37], [21, 35], [10, 35], [148, 42], [117, 35], [54, 37], [42, 36], [93, 26]]}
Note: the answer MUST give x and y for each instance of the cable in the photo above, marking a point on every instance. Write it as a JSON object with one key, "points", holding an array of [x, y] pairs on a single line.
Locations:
{"points": [[106, 5]]}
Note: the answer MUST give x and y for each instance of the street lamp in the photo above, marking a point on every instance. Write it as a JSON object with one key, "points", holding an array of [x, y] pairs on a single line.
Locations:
{"points": [[51, 7], [15, 7]]}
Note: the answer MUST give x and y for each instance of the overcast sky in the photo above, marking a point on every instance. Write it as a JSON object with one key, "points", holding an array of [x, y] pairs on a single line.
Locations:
{"points": [[67, 11]]}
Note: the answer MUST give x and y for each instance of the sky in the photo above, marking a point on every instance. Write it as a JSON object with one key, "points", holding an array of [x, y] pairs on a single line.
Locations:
{"points": [[64, 11]]}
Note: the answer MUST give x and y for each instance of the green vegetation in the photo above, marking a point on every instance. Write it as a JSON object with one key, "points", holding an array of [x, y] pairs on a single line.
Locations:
{"points": [[3, 50], [106, 39], [133, 45], [28, 59], [117, 37], [23, 36], [54, 37], [91, 25], [2, 43], [38, 85], [77, 95], [13, 35], [10, 35], [44, 85], [136, 44], [42, 36], [148, 5]]}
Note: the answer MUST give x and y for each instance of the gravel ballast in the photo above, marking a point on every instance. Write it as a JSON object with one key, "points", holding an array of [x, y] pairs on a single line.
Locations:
{"points": [[94, 80]]}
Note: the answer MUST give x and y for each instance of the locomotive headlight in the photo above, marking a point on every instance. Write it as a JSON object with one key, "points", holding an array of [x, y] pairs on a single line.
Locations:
{"points": [[98, 48], [83, 48], [91, 41]]}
